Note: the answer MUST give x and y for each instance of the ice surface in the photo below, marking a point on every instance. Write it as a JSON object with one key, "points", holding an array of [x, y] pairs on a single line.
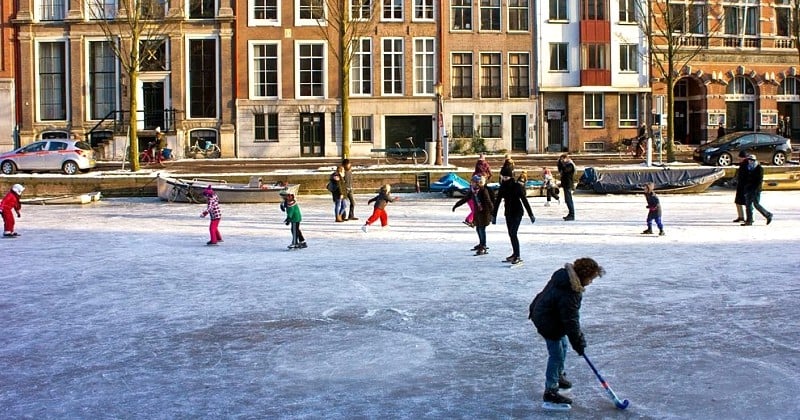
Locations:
{"points": [[119, 310]]}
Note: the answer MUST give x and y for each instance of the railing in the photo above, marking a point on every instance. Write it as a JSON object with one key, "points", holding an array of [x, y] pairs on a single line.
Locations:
{"points": [[116, 121]]}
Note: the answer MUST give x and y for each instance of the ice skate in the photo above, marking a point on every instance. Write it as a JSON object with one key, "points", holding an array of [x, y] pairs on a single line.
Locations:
{"points": [[563, 382], [555, 401], [647, 231], [481, 251], [661, 232], [364, 228]]}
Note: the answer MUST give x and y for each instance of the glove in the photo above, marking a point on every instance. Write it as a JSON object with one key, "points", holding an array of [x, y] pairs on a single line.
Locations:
{"points": [[454, 209], [286, 222], [203, 214], [533, 219], [580, 350]]}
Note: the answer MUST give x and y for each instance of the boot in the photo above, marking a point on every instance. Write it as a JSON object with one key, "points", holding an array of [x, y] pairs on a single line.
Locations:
{"points": [[552, 396], [339, 218], [352, 217], [647, 231], [563, 383], [661, 232]]}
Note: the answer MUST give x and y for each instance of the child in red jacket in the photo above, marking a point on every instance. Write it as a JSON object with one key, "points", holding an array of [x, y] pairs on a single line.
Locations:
{"points": [[11, 202]]}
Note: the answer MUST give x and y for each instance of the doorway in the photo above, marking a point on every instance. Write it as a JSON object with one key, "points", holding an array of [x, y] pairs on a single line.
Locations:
{"points": [[312, 135], [519, 124], [555, 131], [153, 99]]}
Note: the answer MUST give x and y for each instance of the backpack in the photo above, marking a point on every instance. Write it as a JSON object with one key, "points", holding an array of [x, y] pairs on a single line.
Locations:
{"points": [[331, 187]]}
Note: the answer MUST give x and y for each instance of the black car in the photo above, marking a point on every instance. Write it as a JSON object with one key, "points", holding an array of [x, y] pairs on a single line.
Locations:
{"points": [[771, 149]]}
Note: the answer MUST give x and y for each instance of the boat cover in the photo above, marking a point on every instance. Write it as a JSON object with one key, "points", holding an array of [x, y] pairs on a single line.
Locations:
{"points": [[665, 180]]}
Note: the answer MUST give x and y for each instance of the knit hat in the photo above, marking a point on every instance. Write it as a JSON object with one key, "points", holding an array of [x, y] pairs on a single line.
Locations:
{"points": [[743, 154], [752, 157], [18, 188], [208, 192]]}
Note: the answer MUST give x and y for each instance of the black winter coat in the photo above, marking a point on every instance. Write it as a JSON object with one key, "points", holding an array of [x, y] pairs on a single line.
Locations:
{"points": [[482, 216], [567, 171], [753, 180], [515, 199], [556, 309], [741, 179]]}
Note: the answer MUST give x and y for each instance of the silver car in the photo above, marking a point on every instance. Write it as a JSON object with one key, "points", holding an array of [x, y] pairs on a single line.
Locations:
{"points": [[67, 156]]}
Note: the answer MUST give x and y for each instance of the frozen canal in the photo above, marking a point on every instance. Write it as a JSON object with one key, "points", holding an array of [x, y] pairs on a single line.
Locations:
{"points": [[118, 310]]}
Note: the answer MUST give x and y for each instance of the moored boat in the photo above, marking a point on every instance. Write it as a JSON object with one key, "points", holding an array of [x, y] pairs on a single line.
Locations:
{"points": [[191, 190], [665, 180]]}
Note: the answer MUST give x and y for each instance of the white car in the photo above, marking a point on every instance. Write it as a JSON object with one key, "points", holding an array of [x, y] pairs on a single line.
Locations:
{"points": [[67, 156]]}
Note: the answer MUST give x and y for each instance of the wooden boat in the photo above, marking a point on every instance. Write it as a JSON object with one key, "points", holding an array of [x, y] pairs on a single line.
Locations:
{"points": [[784, 181], [665, 180], [64, 199], [191, 190]]}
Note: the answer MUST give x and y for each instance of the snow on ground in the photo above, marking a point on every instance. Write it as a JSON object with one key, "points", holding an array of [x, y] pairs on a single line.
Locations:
{"points": [[118, 310]]}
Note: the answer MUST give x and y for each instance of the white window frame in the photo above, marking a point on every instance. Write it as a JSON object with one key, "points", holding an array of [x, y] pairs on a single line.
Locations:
{"points": [[298, 21], [251, 63], [394, 8], [87, 79], [360, 6], [251, 14], [187, 52], [357, 68], [594, 120], [628, 58], [558, 17], [454, 73], [424, 11], [494, 6], [631, 101], [267, 138], [94, 11], [357, 125], [398, 65], [323, 70], [424, 65], [527, 10], [491, 123], [53, 13], [627, 11], [67, 77], [485, 73], [526, 73], [462, 9]]}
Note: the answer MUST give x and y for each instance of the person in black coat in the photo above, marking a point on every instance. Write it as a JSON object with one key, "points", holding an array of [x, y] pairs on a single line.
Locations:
{"points": [[515, 199], [741, 179], [752, 191], [555, 312], [567, 171]]}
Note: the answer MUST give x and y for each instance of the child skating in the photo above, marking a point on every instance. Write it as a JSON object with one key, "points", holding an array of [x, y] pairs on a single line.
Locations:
{"points": [[8, 207], [212, 210], [293, 219], [653, 210], [383, 198]]}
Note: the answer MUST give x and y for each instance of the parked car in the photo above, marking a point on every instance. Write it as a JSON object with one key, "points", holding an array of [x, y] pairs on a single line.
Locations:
{"points": [[769, 148], [67, 156]]}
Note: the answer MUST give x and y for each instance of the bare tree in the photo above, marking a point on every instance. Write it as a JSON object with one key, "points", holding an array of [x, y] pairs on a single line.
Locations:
{"points": [[677, 32], [135, 29], [344, 24]]}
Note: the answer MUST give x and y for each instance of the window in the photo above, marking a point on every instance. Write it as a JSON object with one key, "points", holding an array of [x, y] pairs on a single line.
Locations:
{"points": [[361, 9], [627, 11], [265, 70], [311, 10], [265, 12], [593, 110], [594, 57], [52, 9], [463, 126], [789, 86], [517, 15], [558, 56], [362, 129], [697, 19], [491, 126], [783, 21], [202, 9], [741, 19], [461, 10], [393, 66], [490, 15], [311, 70], [392, 10], [361, 68], [202, 78], [740, 86], [629, 58], [202, 137], [628, 109], [594, 10], [153, 9], [461, 70], [558, 10], [423, 9], [52, 81], [153, 55], [518, 75], [490, 75], [102, 9], [266, 127], [423, 66], [103, 79], [678, 14]]}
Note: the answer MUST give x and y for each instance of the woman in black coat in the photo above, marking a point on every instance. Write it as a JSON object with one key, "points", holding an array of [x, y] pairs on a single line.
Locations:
{"points": [[515, 200], [484, 208], [741, 179], [556, 314]]}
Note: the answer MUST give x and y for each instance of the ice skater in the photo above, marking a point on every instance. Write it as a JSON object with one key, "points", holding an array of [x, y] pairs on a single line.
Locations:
{"points": [[8, 207], [293, 218], [212, 210], [513, 194], [653, 210], [555, 312], [549, 186], [484, 206], [383, 198]]}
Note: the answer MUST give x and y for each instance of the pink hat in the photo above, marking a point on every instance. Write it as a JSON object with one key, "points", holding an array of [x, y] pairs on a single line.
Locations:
{"points": [[208, 192]]}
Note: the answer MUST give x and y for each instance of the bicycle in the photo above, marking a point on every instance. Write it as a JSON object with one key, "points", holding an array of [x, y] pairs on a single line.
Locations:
{"points": [[209, 151], [633, 146], [399, 153], [185, 192], [148, 155]]}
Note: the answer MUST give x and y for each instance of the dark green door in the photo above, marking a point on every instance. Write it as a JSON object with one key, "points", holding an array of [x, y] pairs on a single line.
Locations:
{"points": [[518, 130], [312, 134]]}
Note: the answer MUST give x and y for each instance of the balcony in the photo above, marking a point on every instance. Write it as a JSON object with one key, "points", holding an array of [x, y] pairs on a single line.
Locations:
{"points": [[595, 77]]}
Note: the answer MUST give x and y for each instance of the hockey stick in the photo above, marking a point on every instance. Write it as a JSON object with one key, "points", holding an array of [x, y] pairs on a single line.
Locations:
{"points": [[619, 404]]}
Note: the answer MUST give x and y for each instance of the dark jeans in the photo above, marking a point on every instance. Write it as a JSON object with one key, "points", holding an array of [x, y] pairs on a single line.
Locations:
{"points": [[568, 200], [481, 235], [512, 223], [753, 199], [352, 204]]}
